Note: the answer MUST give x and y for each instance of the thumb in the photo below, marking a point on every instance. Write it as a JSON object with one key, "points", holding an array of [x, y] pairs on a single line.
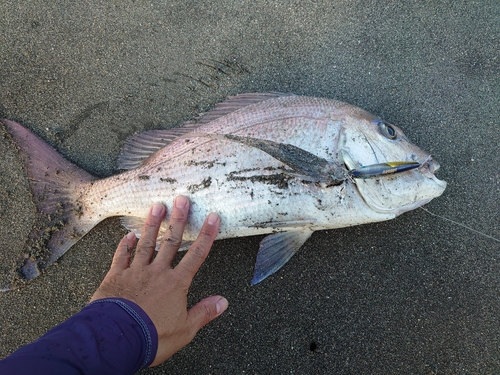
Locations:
{"points": [[207, 310]]}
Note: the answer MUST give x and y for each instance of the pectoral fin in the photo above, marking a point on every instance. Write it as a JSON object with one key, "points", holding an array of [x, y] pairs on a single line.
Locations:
{"points": [[301, 161], [275, 250]]}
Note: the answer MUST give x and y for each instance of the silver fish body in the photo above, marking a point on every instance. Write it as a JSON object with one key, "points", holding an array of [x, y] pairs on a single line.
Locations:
{"points": [[267, 163]]}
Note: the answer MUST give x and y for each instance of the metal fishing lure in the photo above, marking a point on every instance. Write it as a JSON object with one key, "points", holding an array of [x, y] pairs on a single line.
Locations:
{"points": [[375, 170]]}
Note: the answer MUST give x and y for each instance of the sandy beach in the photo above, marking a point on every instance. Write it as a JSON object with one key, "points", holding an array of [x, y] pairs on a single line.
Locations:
{"points": [[415, 295]]}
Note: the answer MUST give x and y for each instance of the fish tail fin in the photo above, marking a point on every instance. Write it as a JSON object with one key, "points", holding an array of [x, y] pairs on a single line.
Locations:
{"points": [[59, 221]]}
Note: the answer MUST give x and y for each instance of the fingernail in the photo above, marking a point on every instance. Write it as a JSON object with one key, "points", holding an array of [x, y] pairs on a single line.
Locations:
{"points": [[212, 218], [221, 305], [181, 201], [130, 236], [157, 209]]}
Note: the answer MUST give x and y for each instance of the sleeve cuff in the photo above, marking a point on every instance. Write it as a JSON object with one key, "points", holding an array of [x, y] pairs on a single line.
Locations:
{"points": [[144, 322]]}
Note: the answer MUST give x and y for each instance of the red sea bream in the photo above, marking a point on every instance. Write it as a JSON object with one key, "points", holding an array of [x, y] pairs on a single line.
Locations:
{"points": [[273, 164]]}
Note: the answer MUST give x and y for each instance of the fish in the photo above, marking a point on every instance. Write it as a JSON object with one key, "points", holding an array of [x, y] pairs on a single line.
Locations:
{"points": [[274, 164]]}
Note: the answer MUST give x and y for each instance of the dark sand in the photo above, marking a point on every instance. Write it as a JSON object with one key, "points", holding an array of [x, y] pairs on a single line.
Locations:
{"points": [[414, 295]]}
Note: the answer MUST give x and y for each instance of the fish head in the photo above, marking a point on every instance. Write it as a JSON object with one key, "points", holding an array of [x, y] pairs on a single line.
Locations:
{"points": [[367, 140]]}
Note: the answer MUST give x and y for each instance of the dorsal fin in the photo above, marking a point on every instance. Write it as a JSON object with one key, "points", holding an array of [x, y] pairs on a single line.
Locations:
{"points": [[139, 147], [234, 103]]}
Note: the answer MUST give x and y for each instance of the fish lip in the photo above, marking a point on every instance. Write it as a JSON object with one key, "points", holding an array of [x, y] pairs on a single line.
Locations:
{"points": [[429, 167]]}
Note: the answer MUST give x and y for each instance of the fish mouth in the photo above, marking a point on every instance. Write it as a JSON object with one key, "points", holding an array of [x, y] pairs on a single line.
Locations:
{"points": [[432, 165], [429, 167], [401, 192]]}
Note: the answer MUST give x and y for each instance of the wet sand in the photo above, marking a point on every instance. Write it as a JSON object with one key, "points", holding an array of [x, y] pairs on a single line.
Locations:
{"points": [[413, 295]]}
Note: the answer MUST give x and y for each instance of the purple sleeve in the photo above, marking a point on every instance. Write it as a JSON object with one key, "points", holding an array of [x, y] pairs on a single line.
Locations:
{"points": [[108, 336]]}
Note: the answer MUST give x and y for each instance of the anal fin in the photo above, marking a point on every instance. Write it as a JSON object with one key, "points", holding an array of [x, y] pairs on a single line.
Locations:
{"points": [[277, 249], [136, 224]]}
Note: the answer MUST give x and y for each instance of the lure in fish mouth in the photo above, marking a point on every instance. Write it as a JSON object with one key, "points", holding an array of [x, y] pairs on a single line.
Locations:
{"points": [[388, 185], [380, 169], [275, 164]]}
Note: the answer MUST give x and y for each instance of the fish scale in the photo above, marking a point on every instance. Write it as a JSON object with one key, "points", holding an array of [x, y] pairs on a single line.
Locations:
{"points": [[274, 164]]}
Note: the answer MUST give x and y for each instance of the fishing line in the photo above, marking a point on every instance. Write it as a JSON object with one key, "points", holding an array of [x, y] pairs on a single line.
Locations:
{"points": [[462, 225]]}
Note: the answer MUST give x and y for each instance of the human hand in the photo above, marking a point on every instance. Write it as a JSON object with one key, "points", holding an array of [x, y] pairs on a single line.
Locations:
{"points": [[160, 290]]}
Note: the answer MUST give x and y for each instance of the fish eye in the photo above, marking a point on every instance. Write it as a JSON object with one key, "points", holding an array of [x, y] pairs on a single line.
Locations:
{"points": [[387, 130]]}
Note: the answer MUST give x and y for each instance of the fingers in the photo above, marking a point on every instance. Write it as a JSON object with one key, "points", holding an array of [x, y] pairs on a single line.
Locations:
{"points": [[173, 236], [205, 311], [147, 242], [121, 259], [198, 251]]}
